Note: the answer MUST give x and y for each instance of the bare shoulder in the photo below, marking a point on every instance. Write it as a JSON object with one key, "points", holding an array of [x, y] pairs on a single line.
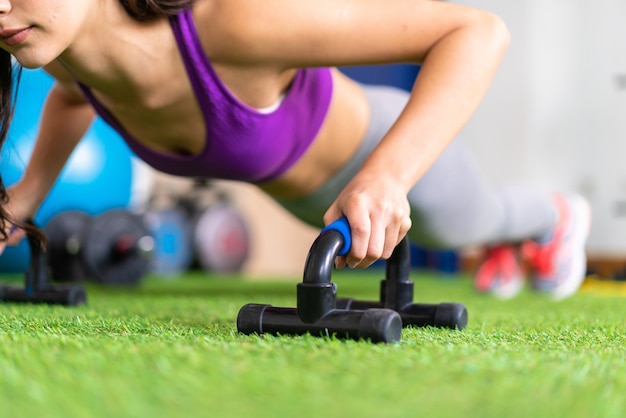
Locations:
{"points": [[328, 32], [227, 28]]}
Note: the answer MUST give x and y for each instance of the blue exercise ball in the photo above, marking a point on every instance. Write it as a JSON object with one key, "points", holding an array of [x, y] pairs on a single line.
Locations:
{"points": [[97, 177]]}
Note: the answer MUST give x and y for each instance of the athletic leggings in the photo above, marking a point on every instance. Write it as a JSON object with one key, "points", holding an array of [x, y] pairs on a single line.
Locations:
{"points": [[452, 205]]}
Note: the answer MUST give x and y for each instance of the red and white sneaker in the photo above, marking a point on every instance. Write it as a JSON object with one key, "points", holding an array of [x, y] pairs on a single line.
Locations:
{"points": [[500, 273], [558, 263]]}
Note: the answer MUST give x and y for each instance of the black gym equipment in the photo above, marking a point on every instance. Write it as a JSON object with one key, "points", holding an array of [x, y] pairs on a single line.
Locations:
{"points": [[63, 232], [319, 313], [220, 236], [37, 287], [396, 292], [117, 247], [113, 248]]}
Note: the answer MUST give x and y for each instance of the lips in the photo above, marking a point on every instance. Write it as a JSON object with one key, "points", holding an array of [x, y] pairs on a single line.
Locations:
{"points": [[12, 37]]}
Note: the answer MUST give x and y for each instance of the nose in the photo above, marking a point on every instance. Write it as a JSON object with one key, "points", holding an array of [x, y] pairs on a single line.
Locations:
{"points": [[5, 7]]}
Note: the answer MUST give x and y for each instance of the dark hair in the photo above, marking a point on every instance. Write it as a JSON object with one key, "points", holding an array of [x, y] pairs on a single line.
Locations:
{"points": [[152, 9], [10, 74]]}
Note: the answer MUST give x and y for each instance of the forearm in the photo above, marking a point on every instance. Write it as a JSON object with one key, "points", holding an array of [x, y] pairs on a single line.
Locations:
{"points": [[454, 78], [64, 122]]}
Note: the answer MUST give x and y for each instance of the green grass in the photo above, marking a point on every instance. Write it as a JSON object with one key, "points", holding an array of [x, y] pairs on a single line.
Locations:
{"points": [[170, 349]]}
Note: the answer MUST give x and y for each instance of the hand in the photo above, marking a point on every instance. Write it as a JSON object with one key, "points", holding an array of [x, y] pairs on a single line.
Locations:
{"points": [[379, 216], [15, 235], [17, 209]]}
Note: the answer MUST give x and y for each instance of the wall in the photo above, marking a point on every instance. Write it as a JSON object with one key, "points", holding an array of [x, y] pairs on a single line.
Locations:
{"points": [[555, 113]]}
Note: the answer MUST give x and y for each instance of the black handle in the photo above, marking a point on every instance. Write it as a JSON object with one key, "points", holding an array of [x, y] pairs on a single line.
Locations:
{"points": [[317, 295]]}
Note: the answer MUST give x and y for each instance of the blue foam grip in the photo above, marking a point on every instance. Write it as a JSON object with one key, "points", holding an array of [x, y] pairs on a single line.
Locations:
{"points": [[341, 225]]}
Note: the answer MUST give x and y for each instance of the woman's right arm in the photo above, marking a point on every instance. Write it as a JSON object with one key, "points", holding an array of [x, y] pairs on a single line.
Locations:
{"points": [[65, 119]]}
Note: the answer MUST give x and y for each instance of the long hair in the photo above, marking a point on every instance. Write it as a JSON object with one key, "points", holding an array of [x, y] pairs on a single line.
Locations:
{"points": [[9, 77], [8, 73]]}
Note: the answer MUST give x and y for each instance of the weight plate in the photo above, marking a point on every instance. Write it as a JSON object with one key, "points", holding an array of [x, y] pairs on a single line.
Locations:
{"points": [[221, 239], [173, 244], [63, 232], [117, 247]]}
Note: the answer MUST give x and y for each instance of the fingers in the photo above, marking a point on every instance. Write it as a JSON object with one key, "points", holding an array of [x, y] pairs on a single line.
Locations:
{"points": [[15, 235], [378, 212], [373, 237]]}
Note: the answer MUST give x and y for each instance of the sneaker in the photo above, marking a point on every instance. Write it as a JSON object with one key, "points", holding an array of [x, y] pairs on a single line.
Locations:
{"points": [[558, 262], [500, 272]]}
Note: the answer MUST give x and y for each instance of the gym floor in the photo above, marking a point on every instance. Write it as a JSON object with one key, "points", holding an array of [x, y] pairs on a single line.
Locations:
{"points": [[170, 348]]}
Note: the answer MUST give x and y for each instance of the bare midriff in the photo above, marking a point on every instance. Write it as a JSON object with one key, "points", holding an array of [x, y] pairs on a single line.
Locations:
{"points": [[338, 139]]}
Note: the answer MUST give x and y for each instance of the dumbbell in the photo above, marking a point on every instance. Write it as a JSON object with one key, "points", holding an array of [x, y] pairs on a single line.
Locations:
{"points": [[221, 239], [173, 243], [220, 235], [113, 248]]}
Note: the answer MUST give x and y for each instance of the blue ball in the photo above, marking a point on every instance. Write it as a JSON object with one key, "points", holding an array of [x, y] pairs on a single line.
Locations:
{"points": [[97, 177]]}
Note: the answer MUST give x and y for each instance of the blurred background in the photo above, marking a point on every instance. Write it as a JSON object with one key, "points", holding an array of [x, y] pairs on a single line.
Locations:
{"points": [[554, 116]]}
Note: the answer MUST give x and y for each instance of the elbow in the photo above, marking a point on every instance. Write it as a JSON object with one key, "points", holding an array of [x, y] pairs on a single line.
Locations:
{"points": [[479, 33], [493, 32]]}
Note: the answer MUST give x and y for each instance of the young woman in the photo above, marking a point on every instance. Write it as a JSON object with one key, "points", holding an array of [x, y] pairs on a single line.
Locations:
{"points": [[247, 90]]}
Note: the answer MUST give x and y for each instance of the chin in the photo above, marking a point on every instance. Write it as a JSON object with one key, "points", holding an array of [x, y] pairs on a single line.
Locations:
{"points": [[31, 62], [30, 66]]}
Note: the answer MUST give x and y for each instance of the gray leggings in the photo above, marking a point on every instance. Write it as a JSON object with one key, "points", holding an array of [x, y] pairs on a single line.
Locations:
{"points": [[452, 205]]}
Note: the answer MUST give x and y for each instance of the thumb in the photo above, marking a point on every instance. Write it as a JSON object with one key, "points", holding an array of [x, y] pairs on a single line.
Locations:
{"points": [[332, 214], [16, 235]]}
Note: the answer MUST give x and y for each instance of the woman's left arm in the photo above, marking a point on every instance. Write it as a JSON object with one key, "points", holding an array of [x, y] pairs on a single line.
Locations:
{"points": [[459, 48]]}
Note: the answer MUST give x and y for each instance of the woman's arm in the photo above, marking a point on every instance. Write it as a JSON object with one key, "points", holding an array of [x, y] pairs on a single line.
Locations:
{"points": [[459, 47], [65, 119]]}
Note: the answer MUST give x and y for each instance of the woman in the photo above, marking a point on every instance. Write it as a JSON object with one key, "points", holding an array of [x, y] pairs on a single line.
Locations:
{"points": [[243, 90]]}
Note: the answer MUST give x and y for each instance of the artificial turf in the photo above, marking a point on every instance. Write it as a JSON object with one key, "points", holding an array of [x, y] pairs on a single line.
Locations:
{"points": [[170, 349]]}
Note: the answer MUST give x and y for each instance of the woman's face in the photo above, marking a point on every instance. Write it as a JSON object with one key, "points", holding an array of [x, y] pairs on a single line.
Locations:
{"points": [[36, 32]]}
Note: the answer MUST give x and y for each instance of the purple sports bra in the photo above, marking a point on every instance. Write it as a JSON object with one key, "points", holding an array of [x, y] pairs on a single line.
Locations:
{"points": [[242, 143]]}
